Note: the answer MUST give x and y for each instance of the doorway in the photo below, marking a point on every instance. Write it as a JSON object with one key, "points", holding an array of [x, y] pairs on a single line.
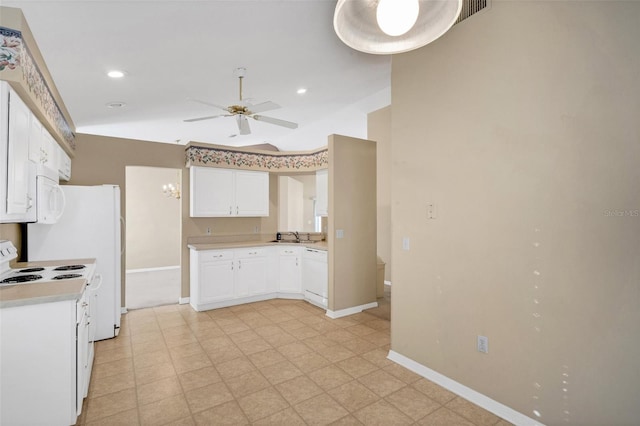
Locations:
{"points": [[153, 211]]}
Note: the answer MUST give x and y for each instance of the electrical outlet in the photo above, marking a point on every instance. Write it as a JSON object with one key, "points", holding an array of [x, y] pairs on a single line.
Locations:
{"points": [[208, 231], [483, 344]]}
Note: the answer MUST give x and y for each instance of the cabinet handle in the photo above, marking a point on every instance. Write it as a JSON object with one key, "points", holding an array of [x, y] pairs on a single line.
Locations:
{"points": [[239, 264], [296, 261], [218, 255], [237, 210], [84, 304], [230, 213]]}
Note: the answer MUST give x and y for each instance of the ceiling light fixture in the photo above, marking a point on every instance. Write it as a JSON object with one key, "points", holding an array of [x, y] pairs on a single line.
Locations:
{"points": [[386, 27], [116, 74], [301, 91], [396, 17]]}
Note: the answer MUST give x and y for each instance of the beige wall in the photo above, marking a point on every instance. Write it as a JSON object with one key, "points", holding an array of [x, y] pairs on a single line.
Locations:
{"points": [[524, 131], [379, 130], [352, 209], [153, 219], [104, 160]]}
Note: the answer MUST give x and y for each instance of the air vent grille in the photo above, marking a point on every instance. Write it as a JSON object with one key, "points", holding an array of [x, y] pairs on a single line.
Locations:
{"points": [[471, 7]]}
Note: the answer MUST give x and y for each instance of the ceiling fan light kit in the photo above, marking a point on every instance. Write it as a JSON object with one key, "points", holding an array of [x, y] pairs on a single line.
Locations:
{"points": [[245, 109], [384, 27]]}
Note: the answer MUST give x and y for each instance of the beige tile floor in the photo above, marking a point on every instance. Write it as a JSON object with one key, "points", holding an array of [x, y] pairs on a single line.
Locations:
{"points": [[278, 362]]}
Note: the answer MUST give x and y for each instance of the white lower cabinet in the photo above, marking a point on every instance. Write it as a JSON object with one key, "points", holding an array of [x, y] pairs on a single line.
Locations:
{"points": [[289, 267], [43, 371], [227, 277], [222, 278], [214, 276], [251, 275]]}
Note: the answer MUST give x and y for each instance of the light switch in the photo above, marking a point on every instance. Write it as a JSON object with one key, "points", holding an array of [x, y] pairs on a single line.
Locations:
{"points": [[405, 243], [339, 233]]}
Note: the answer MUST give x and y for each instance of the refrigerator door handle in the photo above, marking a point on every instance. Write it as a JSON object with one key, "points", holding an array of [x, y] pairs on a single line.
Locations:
{"points": [[122, 236]]}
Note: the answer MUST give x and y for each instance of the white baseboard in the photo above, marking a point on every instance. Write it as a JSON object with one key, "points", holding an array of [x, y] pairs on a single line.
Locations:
{"points": [[469, 394], [183, 300], [160, 268], [350, 311], [387, 282]]}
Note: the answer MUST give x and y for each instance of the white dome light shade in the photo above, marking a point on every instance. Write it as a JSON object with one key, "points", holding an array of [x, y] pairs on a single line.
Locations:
{"points": [[356, 24], [396, 17]]}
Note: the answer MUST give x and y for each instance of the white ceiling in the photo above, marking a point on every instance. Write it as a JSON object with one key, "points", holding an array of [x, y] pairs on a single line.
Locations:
{"points": [[175, 50]]}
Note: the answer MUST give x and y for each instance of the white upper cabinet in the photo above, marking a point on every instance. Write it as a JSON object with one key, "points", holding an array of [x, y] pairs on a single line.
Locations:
{"points": [[64, 164], [228, 193], [252, 193], [17, 185], [322, 192]]}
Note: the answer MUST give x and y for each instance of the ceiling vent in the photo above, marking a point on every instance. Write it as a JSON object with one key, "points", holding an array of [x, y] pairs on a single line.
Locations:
{"points": [[471, 7]]}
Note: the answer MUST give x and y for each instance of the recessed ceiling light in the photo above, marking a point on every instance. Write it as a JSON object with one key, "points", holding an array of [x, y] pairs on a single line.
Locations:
{"points": [[116, 74], [116, 105], [301, 91]]}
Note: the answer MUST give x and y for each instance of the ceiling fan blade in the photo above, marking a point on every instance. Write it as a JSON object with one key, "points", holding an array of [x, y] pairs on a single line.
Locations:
{"points": [[243, 124], [276, 121], [264, 106], [210, 104], [191, 120]]}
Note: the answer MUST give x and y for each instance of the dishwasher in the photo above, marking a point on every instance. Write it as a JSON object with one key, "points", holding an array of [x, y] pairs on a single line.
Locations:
{"points": [[315, 275]]}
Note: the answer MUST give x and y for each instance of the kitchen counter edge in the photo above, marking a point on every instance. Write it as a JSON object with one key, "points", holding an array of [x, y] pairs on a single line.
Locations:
{"points": [[320, 245]]}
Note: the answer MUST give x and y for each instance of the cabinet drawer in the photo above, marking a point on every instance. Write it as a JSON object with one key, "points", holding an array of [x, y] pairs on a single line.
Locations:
{"points": [[251, 252], [214, 255], [288, 251]]}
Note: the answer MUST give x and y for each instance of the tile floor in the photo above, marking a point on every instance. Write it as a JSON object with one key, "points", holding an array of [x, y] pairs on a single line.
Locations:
{"points": [[278, 362]]}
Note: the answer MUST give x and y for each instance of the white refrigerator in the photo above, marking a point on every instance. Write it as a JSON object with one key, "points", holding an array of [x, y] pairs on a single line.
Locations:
{"points": [[89, 228]]}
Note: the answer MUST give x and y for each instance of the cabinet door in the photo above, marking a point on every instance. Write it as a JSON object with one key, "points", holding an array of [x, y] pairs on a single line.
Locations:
{"points": [[211, 192], [251, 276], [289, 272], [216, 281], [322, 193], [252, 193], [18, 156], [64, 164], [35, 140], [49, 154]]}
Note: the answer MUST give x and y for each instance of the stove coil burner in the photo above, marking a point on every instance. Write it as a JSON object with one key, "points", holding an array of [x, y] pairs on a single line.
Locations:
{"points": [[69, 268], [66, 276], [21, 279], [30, 270]]}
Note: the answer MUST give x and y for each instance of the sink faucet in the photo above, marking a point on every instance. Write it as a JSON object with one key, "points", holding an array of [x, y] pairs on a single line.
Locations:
{"points": [[295, 234]]}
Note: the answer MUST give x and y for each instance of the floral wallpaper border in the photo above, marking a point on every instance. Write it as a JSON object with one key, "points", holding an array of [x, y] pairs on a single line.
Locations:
{"points": [[205, 156], [15, 53]]}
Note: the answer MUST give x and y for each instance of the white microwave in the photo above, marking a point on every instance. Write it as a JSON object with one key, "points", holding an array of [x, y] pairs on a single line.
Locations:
{"points": [[50, 200]]}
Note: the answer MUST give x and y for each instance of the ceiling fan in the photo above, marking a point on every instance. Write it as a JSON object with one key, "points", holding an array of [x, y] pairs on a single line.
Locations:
{"points": [[245, 109]]}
